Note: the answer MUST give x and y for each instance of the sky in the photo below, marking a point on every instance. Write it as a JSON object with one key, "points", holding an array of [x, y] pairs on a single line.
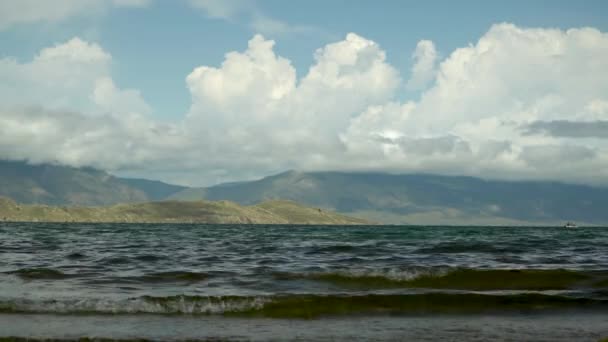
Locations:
{"points": [[198, 92]]}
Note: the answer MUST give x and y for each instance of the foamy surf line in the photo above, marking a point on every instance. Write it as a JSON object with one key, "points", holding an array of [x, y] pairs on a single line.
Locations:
{"points": [[309, 306], [458, 279]]}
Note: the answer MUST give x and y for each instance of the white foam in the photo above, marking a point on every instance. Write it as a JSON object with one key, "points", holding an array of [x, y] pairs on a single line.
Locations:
{"points": [[152, 305], [398, 274]]}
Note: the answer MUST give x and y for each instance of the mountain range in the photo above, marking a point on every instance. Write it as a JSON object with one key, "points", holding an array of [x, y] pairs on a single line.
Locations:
{"points": [[379, 197]]}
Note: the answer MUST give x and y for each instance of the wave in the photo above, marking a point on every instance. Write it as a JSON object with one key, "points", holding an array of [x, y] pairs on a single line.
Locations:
{"points": [[603, 283], [333, 249], [76, 256], [390, 277], [158, 277], [459, 279], [148, 257], [412, 277], [117, 260], [174, 276], [192, 305], [39, 273], [100, 339], [467, 247], [309, 306], [81, 339]]}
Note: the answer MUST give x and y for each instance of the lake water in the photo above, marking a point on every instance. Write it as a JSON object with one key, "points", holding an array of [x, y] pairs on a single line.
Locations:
{"points": [[325, 283]]}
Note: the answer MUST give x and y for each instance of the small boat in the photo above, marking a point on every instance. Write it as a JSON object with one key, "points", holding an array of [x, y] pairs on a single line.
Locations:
{"points": [[570, 225]]}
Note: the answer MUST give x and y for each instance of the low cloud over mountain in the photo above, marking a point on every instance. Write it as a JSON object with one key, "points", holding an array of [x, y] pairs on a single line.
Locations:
{"points": [[515, 104]]}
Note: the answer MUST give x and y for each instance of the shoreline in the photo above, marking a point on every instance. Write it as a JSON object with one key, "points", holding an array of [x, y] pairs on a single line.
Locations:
{"points": [[171, 212]]}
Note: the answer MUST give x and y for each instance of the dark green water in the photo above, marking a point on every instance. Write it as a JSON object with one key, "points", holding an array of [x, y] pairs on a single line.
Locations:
{"points": [[177, 282]]}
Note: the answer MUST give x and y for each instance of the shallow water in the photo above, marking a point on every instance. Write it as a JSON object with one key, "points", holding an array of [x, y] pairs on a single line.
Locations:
{"points": [[487, 279], [516, 328]]}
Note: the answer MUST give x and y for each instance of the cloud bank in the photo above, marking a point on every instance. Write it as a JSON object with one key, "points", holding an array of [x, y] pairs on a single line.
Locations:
{"points": [[520, 103], [15, 12]]}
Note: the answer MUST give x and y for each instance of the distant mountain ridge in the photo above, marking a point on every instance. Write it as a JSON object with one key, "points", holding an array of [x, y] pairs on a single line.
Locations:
{"points": [[63, 185], [423, 199], [153, 189], [379, 197]]}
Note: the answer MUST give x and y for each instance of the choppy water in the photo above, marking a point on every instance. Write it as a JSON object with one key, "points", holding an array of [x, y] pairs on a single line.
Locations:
{"points": [[304, 280]]}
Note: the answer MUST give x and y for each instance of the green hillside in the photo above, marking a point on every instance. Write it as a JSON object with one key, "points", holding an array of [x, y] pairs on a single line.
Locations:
{"points": [[275, 212]]}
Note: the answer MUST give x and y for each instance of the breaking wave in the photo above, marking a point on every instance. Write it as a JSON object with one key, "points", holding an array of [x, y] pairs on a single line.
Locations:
{"points": [[308, 306], [458, 278], [191, 305]]}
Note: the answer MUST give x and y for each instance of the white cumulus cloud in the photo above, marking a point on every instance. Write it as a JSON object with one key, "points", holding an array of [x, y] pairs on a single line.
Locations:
{"points": [[423, 70], [254, 103], [63, 106], [504, 107], [58, 76], [511, 77]]}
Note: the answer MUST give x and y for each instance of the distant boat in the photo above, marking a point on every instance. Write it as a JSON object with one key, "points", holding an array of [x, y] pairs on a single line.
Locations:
{"points": [[570, 225]]}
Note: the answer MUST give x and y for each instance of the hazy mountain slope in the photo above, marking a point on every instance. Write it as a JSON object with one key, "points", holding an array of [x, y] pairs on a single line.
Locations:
{"points": [[154, 190], [423, 199], [60, 185], [276, 212], [51, 184]]}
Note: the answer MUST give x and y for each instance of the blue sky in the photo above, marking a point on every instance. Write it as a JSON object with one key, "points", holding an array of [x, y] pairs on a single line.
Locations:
{"points": [[153, 45], [156, 47]]}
